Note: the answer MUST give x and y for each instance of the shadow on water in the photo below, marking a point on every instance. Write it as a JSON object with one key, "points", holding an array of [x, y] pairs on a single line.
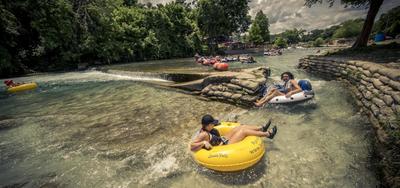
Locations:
{"points": [[244, 177]]}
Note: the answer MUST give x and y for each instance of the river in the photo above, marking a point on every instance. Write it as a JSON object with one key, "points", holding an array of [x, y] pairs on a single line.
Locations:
{"points": [[102, 129]]}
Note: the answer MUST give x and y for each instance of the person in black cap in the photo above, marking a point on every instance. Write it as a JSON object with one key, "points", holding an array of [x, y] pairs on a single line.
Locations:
{"points": [[207, 136]]}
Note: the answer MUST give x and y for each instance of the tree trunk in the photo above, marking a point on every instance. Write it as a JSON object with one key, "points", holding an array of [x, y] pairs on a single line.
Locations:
{"points": [[362, 39]]}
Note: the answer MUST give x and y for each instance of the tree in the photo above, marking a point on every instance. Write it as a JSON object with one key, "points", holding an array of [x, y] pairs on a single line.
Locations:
{"points": [[280, 42], [349, 28], [262, 21], [218, 19], [389, 23], [293, 36], [255, 34], [318, 42], [374, 6]]}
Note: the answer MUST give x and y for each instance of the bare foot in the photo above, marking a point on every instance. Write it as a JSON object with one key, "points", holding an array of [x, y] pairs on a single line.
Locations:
{"points": [[258, 104]]}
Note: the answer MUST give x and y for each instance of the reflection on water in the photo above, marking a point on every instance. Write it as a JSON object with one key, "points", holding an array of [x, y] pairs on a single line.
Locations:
{"points": [[93, 130]]}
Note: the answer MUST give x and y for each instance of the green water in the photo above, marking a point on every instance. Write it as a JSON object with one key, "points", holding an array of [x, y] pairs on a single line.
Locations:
{"points": [[95, 129]]}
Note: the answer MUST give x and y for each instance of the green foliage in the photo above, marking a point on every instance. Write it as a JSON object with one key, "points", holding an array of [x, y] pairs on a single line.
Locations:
{"points": [[259, 30], [280, 42], [350, 28], [318, 42], [255, 34], [389, 23], [218, 19], [58, 34], [292, 36]]}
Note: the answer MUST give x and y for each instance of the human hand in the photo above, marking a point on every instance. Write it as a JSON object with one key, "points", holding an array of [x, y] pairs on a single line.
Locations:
{"points": [[207, 145], [288, 95]]}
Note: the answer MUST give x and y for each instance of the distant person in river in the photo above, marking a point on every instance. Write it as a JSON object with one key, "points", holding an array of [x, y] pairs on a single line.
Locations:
{"points": [[288, 88], [10, 83], [207, 136]]}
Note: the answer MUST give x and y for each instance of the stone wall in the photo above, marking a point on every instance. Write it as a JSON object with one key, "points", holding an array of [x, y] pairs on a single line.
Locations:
{"points": [[240, 88], [377, 89]]}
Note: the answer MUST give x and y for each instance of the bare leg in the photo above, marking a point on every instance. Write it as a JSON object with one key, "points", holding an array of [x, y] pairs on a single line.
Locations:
{"points": [[269, 97], [241, 127], [242, 133]]}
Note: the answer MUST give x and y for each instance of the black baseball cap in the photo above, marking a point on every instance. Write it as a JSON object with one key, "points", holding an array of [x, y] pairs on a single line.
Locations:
{"points": [[208, 119]]}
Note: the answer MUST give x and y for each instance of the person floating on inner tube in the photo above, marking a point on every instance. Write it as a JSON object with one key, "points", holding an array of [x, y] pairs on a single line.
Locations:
{"points": [[10, 83], [288, 88], [208, 137]]}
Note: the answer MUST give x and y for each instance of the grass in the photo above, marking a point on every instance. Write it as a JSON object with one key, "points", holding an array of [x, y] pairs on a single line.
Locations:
{"points": [[381, 53]]}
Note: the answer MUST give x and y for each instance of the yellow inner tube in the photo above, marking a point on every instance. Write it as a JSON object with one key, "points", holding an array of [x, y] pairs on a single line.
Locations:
{"points": [[23, 87], [231, 157]]}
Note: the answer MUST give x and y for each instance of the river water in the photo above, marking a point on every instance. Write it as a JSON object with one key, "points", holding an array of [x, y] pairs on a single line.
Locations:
{"points": [[96, 129]]}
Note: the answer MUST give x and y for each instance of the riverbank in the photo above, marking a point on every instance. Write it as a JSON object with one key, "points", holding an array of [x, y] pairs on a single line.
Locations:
{"points": [[376, 86]]}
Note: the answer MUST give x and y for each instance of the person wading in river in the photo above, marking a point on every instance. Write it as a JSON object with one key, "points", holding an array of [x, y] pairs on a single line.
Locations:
{"points": [[208, 137]]}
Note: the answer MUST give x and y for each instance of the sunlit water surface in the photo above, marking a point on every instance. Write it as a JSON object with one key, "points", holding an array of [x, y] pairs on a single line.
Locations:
{"points": [[95, 129]]}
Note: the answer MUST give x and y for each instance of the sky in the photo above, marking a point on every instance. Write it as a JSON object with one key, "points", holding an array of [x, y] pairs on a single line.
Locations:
{"points": [[289, 14]]}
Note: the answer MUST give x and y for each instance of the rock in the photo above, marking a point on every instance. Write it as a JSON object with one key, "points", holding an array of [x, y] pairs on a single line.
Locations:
{"points": [[374, 110], [227, 94], [388, 100], [218, 93], [374, 68], [367, 73], [396, 108], [368, 95], [396, 96], [360, 63], [378, 102], [376, 83], [352, 67], [236, 96], [249, 91], [343, 72], [384, 79], [376, 92], [363, 82], [211, 92], [387, 111], [366, 103], [249, 98], [394, 85], [394, 74], [206, 89], [386, 89], [376, 75], [233, 86]]}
